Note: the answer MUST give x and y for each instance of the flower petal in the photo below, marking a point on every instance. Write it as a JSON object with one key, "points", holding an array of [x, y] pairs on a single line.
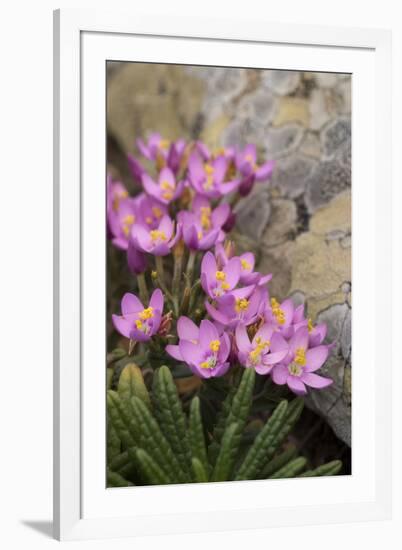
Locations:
{"points": [[130, 304], [208, 332], [174, 351], [242, 339], [187, 329], [316, 381], [280, 374], [315, 358], [156, 300], [296, 385]]}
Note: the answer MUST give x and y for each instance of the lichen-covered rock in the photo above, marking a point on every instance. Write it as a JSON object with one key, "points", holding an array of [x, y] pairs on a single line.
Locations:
{"points": [[152, 97], [327, 180], [283, 141], [335, 135], [292, 174], [281, 82], [292, 109], [253, 214]]}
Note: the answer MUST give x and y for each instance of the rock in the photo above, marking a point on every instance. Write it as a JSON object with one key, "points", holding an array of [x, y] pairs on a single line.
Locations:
{"points": [[282, 223], [281, 82], [292, 109], [344, 88], [311, 146], [324, 105], [277, 260], [212, 133], [326, 181], [321, 266], [253, 214], [292, 174], [152, 97], [283, 141], [240, 132], [259, 106], [326, 80], [334, 135]]}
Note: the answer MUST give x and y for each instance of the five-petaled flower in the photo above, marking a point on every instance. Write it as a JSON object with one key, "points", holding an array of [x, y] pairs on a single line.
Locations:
{"points": [[205, 352], [158, 241], [136, 322], [297, 370], [265, 350], [166, 190], [208, 178]]}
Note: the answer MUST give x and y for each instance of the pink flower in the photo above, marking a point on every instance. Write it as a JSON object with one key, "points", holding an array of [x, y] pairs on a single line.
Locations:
{"points": [[265, 350], [159, 241], [242, 305], [208, 178], [202, 227], [246, 162], [281, 316], [297, 370], [166, 190], [215, 282], [121, 221], [205, 350], [316, 334], [136, 322], [247, 261]]}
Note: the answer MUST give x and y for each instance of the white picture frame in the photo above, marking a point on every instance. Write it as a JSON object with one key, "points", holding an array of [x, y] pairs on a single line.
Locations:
{"points": [[83, 507]]}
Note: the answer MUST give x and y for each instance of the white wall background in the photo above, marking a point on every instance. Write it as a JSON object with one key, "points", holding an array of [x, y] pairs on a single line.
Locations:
{"points": [[26, 272]]}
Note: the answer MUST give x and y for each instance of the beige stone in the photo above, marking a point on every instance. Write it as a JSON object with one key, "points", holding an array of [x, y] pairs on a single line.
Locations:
{"points": [[152, 97], [292, 109]]}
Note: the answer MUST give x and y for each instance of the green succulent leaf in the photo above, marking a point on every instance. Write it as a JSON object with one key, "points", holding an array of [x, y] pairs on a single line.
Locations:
{"points": [[131, 382], [152, 440], [116, 480], [170, 416], [149, 468], [200, 475], [291, 469], [328, 469], [264, 445], [120, 416], [196, 435], [278, 462], [113, 441], [227, 454]]}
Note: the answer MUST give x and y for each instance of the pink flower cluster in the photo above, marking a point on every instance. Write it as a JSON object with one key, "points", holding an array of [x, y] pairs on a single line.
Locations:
{"points": [[185, 209]]}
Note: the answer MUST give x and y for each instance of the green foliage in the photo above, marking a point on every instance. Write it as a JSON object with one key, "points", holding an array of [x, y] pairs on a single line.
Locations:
{"points": [[152, 440]]}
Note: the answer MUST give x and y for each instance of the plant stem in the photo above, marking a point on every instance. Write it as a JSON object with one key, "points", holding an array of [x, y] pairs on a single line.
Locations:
{"points": [[190, 266], [142, 286], [161, 276]]}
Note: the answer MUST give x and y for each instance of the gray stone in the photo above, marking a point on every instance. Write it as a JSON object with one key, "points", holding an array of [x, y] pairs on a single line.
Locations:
{"points": [[334, 135], [283, 141], [335, 318], [260, 106], [327, 180], [240, 132], [282, 223], [311, 145], [253, 213], [281, 82], [324, 105], [292, 175], [344, 88]]}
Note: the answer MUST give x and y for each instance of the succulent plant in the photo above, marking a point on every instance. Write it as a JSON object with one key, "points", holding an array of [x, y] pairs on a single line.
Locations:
{"points": [[151, 439]]}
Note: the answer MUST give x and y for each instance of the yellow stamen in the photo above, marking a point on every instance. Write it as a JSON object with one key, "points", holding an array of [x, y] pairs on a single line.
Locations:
{"points": [[157, 235], [278, 312], [147, 313], [220, 275], [245, 264], [208, 169], [157, 212], [205, 365], [215, 345], [154, 274], [241, 305], [300, 357], [129, 219], [225, 285], [164, 144], [199, 235], [138, 324], [205, 217], [310, 325]]}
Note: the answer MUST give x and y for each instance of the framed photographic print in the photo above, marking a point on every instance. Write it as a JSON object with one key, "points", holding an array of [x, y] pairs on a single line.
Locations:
{"points": [[218, 195]]}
